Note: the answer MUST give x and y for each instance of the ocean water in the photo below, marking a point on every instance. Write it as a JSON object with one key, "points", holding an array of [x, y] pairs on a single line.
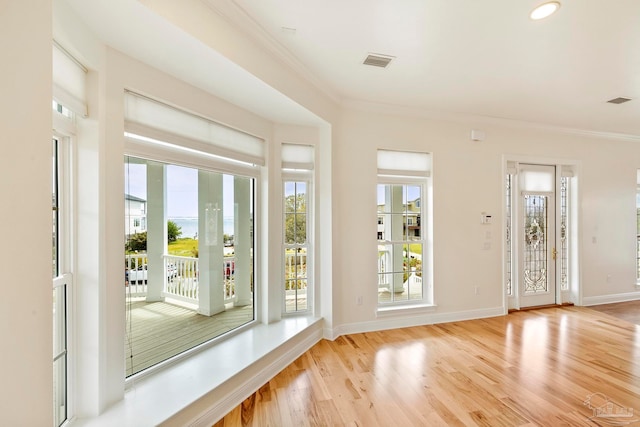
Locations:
{"points": [[189, 226]]}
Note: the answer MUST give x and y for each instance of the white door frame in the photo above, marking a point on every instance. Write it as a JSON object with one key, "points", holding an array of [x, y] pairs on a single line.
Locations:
{"points": [[564, 168]]}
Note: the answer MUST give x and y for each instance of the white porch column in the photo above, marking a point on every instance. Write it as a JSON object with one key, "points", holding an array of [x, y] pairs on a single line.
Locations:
{"points": [[210, 243], [156, 229], [393, 231], [242, 240]]}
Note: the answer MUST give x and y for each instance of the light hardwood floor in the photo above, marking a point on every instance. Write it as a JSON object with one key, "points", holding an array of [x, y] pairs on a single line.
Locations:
{"points": [[629, 310], [531, 368]]}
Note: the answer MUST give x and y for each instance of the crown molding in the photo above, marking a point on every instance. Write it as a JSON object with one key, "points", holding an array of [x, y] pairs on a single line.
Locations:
{"points": [[456, 117]]}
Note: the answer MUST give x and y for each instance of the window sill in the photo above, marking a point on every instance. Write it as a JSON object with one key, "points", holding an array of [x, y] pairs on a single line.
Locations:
{"points": [[157, 398], [408, 309]]}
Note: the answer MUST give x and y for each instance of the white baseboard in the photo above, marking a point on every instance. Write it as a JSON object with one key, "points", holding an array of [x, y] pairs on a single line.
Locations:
{"points": [[259, 375], [610, 299], [409, 321]]}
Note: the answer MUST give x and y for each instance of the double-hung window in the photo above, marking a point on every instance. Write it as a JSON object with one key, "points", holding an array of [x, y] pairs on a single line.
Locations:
{"points": [[68, 104], [404, 255], [297, 174]]}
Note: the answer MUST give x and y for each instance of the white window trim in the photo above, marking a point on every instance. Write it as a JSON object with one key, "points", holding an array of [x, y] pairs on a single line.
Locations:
{"points": [[169, 149], [66, 256], [425, 236], [306, 176]]}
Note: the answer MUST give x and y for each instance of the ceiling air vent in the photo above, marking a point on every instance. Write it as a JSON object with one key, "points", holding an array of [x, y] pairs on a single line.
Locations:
{"points": [[377, 60], [619, 100]]}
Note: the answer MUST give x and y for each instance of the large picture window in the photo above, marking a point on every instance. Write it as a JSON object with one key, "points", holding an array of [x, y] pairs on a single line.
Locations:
{"points": [[190, 214], [189, 274]]}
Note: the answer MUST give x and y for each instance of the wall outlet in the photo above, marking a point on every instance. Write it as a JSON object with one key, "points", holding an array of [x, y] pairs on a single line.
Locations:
{"points": [[476, 290]]}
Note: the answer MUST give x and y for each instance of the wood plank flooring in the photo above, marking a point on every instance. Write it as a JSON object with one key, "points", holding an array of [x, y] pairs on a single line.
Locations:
{"points": [[157, 331], [629, 311], [530, 368]]}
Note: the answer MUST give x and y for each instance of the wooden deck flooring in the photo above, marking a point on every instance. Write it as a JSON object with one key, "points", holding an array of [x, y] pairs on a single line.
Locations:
{"points": [[158, 330], [547, 367]]}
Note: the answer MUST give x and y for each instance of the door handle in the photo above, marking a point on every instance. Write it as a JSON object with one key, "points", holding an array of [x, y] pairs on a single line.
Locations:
{"points": [[554, 253]]}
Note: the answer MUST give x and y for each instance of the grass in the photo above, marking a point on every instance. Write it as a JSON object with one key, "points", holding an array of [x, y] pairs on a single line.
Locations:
{"points": [[183, 247]]}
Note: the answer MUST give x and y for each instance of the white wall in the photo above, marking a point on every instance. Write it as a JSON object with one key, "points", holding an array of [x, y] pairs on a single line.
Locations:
{"points": [[25, 190], [468, 180]]}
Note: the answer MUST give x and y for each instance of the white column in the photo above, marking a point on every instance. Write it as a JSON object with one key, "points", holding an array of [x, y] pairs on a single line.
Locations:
{"points": [[210, 243], [156, 229], [394, 232], [242, 240]]}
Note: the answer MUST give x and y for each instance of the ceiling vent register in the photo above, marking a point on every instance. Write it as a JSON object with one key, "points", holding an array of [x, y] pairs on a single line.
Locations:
{"points": [[378, 60], [619, 100]]}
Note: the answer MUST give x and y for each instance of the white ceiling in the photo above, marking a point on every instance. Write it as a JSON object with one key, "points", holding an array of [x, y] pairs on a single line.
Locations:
{"points": [[479, 58], [473, 57]]}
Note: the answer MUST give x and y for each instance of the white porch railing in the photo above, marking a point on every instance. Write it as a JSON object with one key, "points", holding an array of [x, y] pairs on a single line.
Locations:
{"points": [[290, 267], [136, 275], [181, 280]]}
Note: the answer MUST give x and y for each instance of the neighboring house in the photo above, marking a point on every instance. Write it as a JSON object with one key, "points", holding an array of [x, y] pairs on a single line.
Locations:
{"points": [[410, 219], [135, 210]]}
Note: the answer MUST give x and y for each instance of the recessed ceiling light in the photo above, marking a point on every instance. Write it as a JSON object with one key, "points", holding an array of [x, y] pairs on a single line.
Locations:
{"points": [[544, 10]]}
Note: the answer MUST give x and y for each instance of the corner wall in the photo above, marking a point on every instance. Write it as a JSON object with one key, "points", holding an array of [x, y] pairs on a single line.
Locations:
{"points": [[26, 361]]}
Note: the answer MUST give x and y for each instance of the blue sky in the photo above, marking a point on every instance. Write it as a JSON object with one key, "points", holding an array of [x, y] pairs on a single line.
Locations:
{"points": [[182, 189], [412, 193]]}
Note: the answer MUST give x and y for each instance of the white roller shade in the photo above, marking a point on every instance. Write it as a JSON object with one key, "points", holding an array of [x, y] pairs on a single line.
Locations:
{"points": [[153, 119], [69, 81], [403, 163], [297, 156]]}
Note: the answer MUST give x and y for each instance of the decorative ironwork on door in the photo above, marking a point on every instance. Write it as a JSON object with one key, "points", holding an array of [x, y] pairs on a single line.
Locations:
{"points": [[535, 247]]}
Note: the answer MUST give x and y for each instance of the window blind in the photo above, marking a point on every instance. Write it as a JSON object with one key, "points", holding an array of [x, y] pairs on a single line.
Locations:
{"points": [[403, 163], [69, 81], [156, 120], [297, 156]]}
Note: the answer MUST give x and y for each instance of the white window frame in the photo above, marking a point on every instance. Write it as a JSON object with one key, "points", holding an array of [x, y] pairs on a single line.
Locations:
{"points": [[146, 142], [427, 265], [64, 128], [306, 176]]}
